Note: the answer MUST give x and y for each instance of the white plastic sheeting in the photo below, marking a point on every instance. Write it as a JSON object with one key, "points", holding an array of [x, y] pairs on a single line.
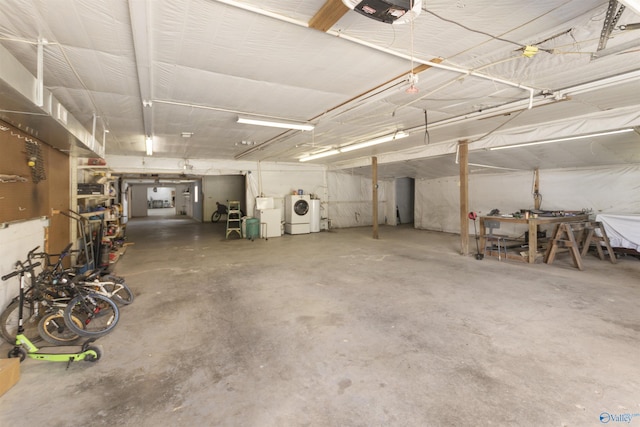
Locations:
{"points": [[614, 189], [163, 67], [350, 200], [623, 231]]}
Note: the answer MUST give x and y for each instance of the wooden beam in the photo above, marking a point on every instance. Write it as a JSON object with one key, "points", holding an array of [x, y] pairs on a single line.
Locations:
{"points": [[420, 68], [463, 158], [537, 200], [328, 15], [374, 179]]}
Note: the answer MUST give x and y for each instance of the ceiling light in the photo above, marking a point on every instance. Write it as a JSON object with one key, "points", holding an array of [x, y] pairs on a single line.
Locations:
{"points": [[186, 134], [346, 149], [319, 155], [381, 140], [413, 80], [632, 4], [283, 125], [569, 138], [149, 145]]}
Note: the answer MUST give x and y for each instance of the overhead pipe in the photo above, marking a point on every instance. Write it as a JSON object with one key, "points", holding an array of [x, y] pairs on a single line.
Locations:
{"points": [[39, 98]]}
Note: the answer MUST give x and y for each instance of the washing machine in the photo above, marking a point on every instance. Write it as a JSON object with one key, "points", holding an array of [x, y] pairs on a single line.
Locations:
{"points": [[297, 215]]}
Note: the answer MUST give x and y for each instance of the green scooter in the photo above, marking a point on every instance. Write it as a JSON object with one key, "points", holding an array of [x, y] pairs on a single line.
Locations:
{"points": [[24, 348]]}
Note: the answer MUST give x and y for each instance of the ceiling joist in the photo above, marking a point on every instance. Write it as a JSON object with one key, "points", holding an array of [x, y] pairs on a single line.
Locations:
{"points": [[328, 15]]}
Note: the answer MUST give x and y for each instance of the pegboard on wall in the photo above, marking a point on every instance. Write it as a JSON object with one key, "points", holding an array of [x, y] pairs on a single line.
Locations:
{"points": [[34, 179]]}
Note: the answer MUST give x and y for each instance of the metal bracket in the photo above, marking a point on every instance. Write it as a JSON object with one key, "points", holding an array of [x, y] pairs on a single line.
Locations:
{"points": [[610, 21]]}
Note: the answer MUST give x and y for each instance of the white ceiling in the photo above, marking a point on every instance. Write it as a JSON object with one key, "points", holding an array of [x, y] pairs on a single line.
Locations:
{"points": [[202, 63]]}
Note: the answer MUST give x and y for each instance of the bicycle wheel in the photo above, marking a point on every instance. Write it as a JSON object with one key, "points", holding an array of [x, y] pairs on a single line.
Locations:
{"points": [[54, 330], [9, 322], [117, 289], [99, 314], [215, 217]]}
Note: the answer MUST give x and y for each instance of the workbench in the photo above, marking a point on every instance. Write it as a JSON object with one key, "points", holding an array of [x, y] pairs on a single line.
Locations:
{"points": [[532, 224]]}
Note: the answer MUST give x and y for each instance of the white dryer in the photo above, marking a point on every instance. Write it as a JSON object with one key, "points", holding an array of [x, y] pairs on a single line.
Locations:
{"points": [[297, 214]]}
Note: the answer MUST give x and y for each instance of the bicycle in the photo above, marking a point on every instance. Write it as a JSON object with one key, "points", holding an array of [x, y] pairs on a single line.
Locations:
{"points": [[220, 210], [23, 347], [44, 303]]}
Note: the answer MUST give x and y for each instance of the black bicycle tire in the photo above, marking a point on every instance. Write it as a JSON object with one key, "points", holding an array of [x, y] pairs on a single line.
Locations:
{"points": [[9, 322], [124, 295], [215, 217], [89, 357], [58, 336], [94, 326]]}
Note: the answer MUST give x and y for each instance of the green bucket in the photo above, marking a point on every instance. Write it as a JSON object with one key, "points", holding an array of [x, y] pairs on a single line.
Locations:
{"points": [[253, 228]]}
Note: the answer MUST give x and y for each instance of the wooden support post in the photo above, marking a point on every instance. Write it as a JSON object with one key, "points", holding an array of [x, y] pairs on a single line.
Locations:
{"points": [[537, 200], [463, 158], [374, 178]]}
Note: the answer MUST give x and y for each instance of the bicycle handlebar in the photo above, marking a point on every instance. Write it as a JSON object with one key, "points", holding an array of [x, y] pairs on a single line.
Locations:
{"points": [[31, 252], [21, 270]]}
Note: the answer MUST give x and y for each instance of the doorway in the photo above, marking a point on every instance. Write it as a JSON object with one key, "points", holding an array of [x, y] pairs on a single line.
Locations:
{"points": [[405, 200], [161, 201]]}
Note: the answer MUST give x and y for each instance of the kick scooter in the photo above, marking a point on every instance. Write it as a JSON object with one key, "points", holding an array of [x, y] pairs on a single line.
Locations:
{"points": [[24, 348]]}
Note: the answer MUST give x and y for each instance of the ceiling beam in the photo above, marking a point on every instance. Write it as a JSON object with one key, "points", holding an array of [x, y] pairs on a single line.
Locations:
{"points": [[141, 32], [328, 15]]}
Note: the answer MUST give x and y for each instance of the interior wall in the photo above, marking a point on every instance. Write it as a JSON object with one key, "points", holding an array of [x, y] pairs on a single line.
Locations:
{"points": [[138, 201], [197, 200], [277, 183], [266, 179], [16, 240], [600, 190], [27, 198], [184, 200], [350, 200], [163, 194], [221, 188], [405, 190]]}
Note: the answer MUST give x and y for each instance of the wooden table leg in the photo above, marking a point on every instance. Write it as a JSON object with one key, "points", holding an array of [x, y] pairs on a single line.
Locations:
{"points": [[533, 241], [483, 232]]}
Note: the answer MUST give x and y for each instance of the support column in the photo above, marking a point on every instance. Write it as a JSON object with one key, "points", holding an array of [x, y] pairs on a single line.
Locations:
{"points": [[374, 178], [536, 189], [463, 159]]}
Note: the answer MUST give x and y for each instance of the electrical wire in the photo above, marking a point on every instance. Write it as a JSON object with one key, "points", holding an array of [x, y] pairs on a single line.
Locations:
{"points": [[451, 21], [501, 125]]}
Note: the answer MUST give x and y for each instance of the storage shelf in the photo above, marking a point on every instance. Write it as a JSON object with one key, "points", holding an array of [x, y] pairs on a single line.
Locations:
{"points": [[97, 167], [90, 214], [94, 196]]}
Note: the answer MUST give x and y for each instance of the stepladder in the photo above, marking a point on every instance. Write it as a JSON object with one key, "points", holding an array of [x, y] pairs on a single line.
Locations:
{"points": [[234, 219]]}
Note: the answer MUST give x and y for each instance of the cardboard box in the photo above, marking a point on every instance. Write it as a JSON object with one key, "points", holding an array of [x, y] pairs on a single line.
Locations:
{"points": [[9, 374]]}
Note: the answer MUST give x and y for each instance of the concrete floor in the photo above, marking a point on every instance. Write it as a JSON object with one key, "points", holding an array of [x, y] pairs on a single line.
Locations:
{"points": [[338, 329]]}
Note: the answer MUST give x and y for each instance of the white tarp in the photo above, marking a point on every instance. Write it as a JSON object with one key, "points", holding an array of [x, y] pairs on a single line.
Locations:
{"points": [[599, 190], [623, 231], [350, 200]]}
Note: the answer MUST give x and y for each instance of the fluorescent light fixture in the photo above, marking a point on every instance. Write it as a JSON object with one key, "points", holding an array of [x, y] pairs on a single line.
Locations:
{"points": [[569, 138], [149, 146], [632, 4], [283, 125], [381, 140], [346, 149], [319, 155]]}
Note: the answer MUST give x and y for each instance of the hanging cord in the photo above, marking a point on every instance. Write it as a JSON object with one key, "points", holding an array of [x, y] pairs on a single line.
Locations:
{"points": [[411, 34], [427, 137]]}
